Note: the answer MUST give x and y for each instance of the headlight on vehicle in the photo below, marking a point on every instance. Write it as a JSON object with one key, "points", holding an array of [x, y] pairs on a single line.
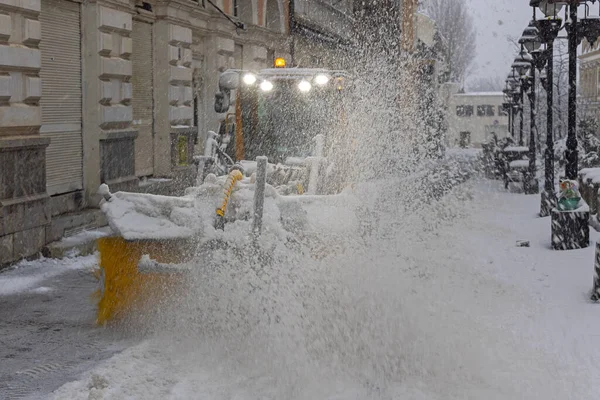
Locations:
{"points": [[266, 86], [321, 79], [249, 79], [304, 86]]}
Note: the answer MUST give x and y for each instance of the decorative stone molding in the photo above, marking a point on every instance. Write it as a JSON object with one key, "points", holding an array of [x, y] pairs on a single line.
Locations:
{"points": [[107, 71], [24, 202], [180, 79], [117, 159], [114, 49], [255, 57], [23, 197], [20, 63]]}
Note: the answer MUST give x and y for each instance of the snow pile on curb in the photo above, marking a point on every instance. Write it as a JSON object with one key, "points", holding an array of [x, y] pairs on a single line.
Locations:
{"points": [[26, 275], [387, 302], [145, 216], [590, 174]]}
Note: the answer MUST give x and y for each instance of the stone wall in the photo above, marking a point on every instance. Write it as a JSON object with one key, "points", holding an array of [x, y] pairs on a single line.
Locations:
{"points": [[108, 114], [173, 90], [24, 202]]}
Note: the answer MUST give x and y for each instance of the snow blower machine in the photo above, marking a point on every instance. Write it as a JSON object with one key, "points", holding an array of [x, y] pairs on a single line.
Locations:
{"points": [[281, 148], [296, 117]]}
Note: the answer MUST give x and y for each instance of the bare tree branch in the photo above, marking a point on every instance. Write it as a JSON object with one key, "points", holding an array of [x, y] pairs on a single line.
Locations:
{"points": [[457, 30]]}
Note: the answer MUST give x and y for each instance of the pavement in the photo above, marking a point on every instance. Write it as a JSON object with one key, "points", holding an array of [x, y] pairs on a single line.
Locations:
{"points": [[47, 332]]}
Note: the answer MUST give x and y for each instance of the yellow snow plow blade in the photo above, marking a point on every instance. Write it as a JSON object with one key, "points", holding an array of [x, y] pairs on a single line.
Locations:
{"points": [[125, 287]]}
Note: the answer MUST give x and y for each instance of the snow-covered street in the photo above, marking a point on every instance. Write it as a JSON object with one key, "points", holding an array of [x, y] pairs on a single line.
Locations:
{"points": [[299, 200], [439, 304], [47, 326]]}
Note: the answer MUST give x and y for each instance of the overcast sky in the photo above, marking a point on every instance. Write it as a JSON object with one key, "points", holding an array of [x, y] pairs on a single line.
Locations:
{"points": [[495, 21]]}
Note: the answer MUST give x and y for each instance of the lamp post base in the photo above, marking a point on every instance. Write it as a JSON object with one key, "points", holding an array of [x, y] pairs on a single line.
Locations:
{"points": [[531, 185], [596, 289], [570, 229], [547, 203]]}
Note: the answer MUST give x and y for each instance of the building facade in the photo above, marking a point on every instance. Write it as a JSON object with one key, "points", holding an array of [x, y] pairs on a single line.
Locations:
{"points": [[321, 33], [111, 91], [474, 118], [589, 81]]}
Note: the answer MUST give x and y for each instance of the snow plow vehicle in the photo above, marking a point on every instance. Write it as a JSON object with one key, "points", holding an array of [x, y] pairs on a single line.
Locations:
{"points": [[294, 118]]}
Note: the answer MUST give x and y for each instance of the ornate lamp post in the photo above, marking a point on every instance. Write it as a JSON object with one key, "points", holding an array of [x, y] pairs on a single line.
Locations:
{"points": [[548, 29], [532, 43], [507, 108], [521, 65], [571, 154], [570, 229], [513, 84], [509, 105]]}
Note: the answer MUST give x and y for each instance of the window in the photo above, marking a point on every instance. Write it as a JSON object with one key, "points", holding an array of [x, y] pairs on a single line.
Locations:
{"points": [[464, 111], [502, 112], [465, 139], [182, 150], [485, 111], [235, 8]]}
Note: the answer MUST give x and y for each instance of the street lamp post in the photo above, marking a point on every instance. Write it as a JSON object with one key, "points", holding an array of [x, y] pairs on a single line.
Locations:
{"points": [[570, 227], [521, 65], [527, 86], [510, 105], [521, 110], [548, 29], [530, 40], [507, 108], [517, 106], [571, 153]]}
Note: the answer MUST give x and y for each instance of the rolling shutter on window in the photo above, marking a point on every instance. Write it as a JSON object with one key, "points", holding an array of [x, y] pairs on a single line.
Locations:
{"points": [[61, 94]]}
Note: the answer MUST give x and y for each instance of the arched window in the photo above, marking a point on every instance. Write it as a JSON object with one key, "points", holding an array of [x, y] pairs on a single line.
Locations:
{"points": [[244, 10], [273, 16]]}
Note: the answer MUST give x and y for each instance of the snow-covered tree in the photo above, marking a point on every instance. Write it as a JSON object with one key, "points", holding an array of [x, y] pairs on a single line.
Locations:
{"points": [[457, 30]]}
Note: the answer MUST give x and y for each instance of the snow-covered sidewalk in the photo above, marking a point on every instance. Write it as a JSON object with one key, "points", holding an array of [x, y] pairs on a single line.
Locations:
{"points": [[441, 305], [28, 275]]}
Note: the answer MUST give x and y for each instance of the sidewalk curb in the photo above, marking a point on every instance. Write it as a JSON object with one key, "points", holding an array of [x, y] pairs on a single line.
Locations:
{"points": [[82, 244]]}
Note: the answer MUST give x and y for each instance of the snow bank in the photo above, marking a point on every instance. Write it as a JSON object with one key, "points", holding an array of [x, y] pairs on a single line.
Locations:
{"points": [[26, 275], [417, 312], [517, 149], [137, 216], [519, 164], [145, 216], [590, 175], [397, 298], [456, 152]]}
